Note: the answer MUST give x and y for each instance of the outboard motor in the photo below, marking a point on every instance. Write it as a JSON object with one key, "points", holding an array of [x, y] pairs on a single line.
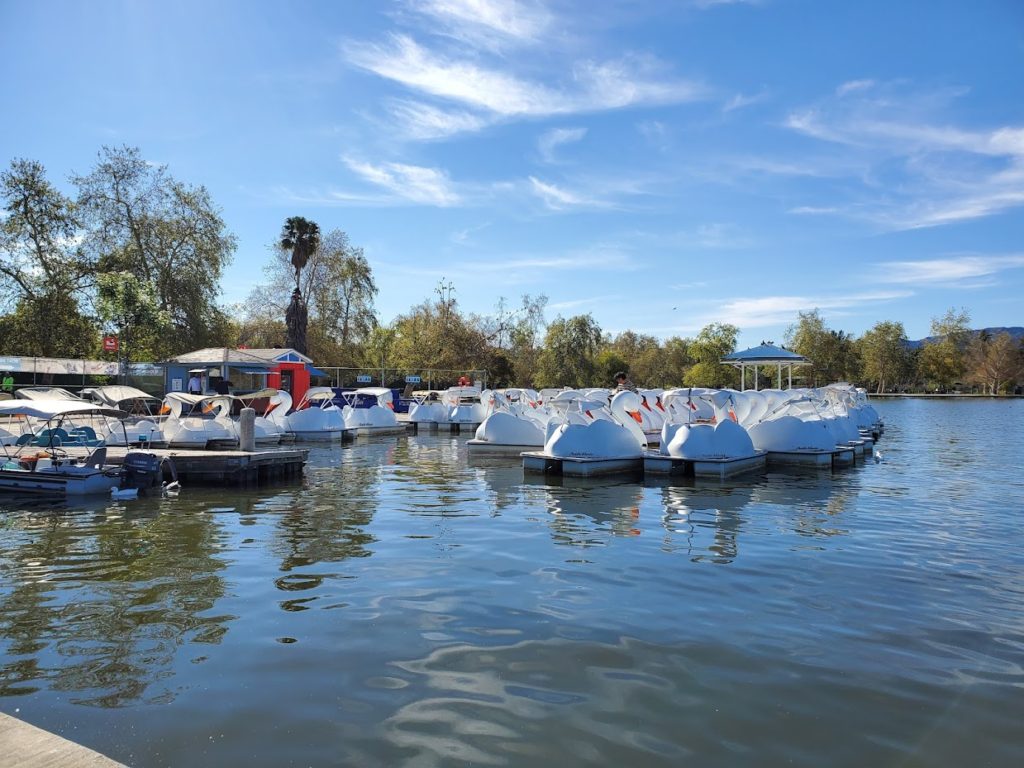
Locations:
{"points": [[144, 470]]}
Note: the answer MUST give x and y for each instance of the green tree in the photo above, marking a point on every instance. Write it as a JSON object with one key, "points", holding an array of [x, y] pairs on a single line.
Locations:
{"points": [[714, 342], [884, 355], [435, 336], [994, 361], [39, 253], [567, 358], [831, 354], [131, 309], [167, 234], [299, 238], [942, 360], [48, 325]]}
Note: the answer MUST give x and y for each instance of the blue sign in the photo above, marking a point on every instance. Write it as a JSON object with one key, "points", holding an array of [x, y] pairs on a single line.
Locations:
{"points": [[413, 379], [363, 379]]}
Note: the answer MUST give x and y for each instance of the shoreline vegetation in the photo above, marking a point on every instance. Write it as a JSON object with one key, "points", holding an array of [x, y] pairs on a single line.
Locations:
{"points": [[137, 256]]}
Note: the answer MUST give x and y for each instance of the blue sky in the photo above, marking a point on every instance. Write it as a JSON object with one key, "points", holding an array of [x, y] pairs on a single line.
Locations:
{"points": [[659, 165]]}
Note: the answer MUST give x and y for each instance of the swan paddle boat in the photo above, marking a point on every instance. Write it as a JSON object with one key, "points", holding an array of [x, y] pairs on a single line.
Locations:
{"points": [[591, 440], [371, 411]]}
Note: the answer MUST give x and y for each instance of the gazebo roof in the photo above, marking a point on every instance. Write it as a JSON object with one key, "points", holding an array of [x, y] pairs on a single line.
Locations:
{"points": [[765, 353]]}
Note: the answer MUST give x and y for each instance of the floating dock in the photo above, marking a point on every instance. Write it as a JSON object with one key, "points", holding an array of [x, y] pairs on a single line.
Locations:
{"points": [[237, 468], [26, 746], [823, 459], [535, 461], [718, 469], [486, 447]]}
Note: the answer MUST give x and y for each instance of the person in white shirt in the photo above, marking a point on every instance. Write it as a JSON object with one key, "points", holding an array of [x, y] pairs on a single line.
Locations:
{"points": [[195, 385]]}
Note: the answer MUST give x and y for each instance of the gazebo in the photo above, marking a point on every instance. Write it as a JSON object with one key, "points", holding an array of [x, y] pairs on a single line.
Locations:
{"points": [[768, 355]]}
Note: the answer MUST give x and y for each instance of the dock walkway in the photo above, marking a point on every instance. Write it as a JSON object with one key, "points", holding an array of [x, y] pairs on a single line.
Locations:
{"points": [[227, 467], [26, 746]]}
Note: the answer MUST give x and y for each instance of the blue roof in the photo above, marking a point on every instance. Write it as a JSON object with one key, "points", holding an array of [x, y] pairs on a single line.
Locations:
{"points": [[766, 353], [316, 372]]}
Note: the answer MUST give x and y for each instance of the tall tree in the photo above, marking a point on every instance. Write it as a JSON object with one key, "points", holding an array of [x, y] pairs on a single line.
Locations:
{"points": [[714, 342], [884, 354], [831, 354], [994, 361], [567, 358], [299, 238], [130, 307], [167, 234], [39, 251], [943, 358]]}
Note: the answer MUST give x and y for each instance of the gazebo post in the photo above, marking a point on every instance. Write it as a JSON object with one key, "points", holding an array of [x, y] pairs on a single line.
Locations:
{"points": [[755, 377], [780, 375], [790, 375], [743, 377]]}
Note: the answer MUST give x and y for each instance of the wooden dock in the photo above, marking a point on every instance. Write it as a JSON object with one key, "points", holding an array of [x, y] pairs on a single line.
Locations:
{"points": [[26, 746], [237, 468]]}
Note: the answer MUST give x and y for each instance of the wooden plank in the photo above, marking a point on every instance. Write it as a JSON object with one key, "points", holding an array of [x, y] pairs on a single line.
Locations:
{"points": [[26, 746]]}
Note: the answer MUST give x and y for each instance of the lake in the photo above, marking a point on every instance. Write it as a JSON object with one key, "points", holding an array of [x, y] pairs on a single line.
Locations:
{"points": [[407, 605]]}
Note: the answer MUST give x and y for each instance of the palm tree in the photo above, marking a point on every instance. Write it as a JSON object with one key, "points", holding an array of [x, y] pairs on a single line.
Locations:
{"points": [[301, 237]]}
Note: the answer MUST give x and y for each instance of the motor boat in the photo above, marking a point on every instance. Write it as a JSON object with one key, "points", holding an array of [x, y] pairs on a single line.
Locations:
{"points": [[59, 454]]}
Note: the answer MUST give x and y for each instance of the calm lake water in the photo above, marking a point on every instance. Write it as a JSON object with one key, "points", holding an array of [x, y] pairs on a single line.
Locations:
{"points": [[404, 605]]}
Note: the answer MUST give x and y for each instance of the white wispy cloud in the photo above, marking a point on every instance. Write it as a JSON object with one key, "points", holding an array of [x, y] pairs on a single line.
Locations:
{"points": [[417, 184], [557, 137], [487, 22], [706, 4], [593, 86], [556, 198], [423, 122], [739, 101], [946, 270], [765, 311], [560, 306], [814, 210], [854, 85], [916, 168]]}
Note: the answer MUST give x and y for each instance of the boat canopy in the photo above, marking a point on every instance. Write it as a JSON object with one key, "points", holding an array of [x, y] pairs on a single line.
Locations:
{"points": [[319, 393], [51, 409], [46, 393], [112, 395]]}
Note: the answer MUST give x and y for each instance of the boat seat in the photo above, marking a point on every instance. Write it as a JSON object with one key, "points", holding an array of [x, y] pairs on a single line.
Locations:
{"points": [[25, 439], [97, 458]]}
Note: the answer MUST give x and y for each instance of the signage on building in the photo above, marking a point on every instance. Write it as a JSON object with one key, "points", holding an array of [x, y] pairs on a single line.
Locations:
{"points": [[110, 344]]}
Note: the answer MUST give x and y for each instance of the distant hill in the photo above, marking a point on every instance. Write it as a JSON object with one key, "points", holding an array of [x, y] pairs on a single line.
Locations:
{"points": [[1017, 332]]}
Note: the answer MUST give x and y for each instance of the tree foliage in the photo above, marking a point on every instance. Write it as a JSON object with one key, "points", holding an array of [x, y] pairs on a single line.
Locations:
{"points": [[169, 235], [714, 342], [994, 361], [831, 354], [884, 355], [568, 356]]}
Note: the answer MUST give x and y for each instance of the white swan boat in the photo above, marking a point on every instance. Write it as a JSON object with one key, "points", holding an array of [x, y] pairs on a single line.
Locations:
{"points": [[192, 422], [143, 423], [316, 417], [371, 411]]}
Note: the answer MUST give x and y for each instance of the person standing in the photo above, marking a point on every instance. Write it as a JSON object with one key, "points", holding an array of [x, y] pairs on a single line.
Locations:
{"points": [[195, 385], [622, 382]]}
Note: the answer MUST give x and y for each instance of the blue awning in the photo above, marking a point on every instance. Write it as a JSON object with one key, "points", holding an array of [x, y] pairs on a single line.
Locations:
{"points": [[317, 372]]}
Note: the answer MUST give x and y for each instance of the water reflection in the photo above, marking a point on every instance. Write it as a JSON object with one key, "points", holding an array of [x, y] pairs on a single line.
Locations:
{"points": [[695, 514], [584, 512], [99, 600]]}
